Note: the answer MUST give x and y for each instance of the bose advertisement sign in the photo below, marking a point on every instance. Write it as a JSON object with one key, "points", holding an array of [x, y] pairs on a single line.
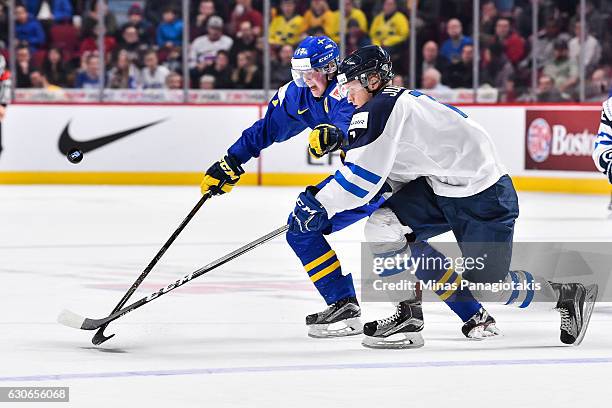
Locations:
{"points": [[558, 141]]}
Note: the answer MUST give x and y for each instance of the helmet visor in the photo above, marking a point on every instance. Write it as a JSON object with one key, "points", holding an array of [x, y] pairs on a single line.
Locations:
{"points": [[300, 77], [301, 70]]}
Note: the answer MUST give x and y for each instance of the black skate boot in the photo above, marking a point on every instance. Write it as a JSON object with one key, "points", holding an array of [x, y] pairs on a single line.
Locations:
{"points": [[480, 326], [338, 320], [402, 330], [575, 304]]}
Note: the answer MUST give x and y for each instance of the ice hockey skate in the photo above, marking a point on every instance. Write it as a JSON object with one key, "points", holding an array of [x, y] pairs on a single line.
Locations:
{"points": [[575, 304], [338, 320], [399, 331], [480, 326]]}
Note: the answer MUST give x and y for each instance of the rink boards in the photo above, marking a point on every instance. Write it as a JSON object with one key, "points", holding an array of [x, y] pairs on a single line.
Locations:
{"points": [[545, 148]]}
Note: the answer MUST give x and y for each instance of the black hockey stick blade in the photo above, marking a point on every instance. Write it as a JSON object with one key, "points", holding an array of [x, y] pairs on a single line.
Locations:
{"points": [[71, 319], [100, 337]]}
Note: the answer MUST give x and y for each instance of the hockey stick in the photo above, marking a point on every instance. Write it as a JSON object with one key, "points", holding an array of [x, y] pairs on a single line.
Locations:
{"points": [[71, 319], [100, 337]]}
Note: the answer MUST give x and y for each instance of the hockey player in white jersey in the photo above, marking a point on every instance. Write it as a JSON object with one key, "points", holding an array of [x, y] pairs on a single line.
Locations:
{"points": [[446, 176], [5, 92], [602, 154], [313, 100]]}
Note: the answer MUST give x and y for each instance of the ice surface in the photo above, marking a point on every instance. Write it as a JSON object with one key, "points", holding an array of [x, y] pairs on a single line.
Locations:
{"points": [[236, 337]]}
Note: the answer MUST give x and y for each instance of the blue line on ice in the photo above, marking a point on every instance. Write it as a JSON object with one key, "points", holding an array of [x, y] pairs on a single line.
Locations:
{"points": [[311, 367]]}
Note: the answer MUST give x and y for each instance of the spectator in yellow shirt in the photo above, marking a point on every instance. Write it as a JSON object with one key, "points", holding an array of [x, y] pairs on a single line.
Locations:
{"points": [[350, 13], [390, 28], [288, 27], [319, 15]]}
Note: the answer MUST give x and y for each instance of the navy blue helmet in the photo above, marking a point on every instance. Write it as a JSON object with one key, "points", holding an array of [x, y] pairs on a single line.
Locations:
{"points": [[371, 59]]}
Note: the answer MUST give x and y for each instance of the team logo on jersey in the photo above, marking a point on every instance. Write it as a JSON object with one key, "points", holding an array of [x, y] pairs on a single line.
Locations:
{"points": [[539, 140], [336, 93], [359, 121], [605, 162]]}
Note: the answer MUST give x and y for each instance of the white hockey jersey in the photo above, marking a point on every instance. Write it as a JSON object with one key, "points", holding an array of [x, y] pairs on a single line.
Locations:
{"points": [[602, 154], [5, 83], [401, 135]]}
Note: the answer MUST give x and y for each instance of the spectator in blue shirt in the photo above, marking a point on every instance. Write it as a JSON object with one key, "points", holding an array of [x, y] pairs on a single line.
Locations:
{"points": [[451, 48], [61, 9], [170, 31], [90, 76], [28, 28], [32, 6]]}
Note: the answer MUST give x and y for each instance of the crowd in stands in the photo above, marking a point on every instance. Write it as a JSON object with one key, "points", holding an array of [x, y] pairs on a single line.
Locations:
{"points": [[58, 43]]}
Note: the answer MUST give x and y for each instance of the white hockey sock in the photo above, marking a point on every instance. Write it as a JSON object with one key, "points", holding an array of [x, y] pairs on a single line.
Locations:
{"points": [[530, 291]]}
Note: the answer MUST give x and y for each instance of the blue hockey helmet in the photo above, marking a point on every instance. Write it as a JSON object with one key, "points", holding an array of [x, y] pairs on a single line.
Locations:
{"points": [[314, 54]]}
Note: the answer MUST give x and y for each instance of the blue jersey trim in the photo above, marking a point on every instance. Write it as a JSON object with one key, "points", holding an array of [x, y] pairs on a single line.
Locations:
{"points": [[350, 187], [363, 173], [605, 134]]}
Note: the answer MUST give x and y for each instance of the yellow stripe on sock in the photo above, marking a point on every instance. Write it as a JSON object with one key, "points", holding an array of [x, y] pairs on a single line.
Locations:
{"points": [[446, 276], [325, 271], [450, 292], [311, 265]]}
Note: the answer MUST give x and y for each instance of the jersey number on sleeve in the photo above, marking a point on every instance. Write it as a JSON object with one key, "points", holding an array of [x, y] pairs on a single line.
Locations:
{"points": [[417, 94]]}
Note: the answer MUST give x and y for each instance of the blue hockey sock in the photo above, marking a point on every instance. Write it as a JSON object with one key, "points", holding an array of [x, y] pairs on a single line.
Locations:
{"points": [[322, 266]]}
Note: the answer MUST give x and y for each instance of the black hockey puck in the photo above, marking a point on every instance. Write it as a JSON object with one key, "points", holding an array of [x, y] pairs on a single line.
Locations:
{"points": [[75, 156]]}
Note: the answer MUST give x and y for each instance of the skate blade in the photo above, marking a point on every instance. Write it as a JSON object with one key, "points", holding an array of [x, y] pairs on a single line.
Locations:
{"points": [[344, 328], [480, 333], [477, 334], [395, 341], [493, 330], [589, 305]]}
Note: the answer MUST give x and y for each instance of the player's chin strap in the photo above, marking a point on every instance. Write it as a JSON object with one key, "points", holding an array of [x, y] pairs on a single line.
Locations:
{"points": [[377, 91], [365, 83]]}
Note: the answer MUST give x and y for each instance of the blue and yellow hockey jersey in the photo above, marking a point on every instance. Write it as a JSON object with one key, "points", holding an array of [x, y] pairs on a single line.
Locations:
{"points": [[292, 110]]}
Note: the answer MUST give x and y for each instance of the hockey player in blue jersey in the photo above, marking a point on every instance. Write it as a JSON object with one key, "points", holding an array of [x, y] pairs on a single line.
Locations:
{"points": [[446, 176], [312, 100]]}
